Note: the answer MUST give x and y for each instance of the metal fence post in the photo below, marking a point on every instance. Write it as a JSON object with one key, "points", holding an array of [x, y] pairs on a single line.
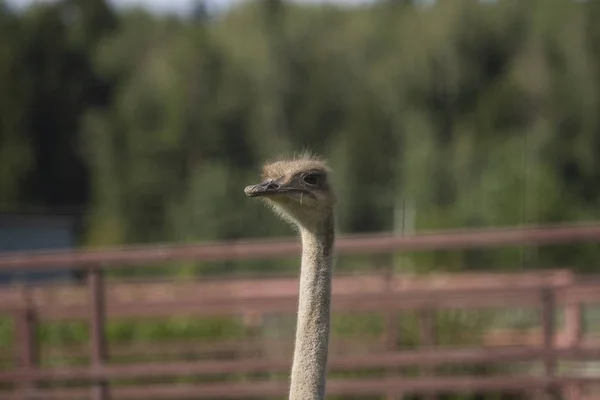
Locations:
{"points": [[96, 329], [26, 347], [573, 332], [391, 334], [427, 330], [548, 314]]}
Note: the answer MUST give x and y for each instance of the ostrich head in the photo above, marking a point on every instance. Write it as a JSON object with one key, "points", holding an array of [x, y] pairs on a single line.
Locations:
{"points": [[298, 189]]}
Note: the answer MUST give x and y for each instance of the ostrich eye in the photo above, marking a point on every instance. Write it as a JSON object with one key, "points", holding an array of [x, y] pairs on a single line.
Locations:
{"points": [[312, 179]]}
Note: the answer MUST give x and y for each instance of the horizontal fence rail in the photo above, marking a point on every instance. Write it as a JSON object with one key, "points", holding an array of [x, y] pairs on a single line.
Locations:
{"points": [[504, 342], [338, 363], [354, 387], [236, 250], [225, 293]]}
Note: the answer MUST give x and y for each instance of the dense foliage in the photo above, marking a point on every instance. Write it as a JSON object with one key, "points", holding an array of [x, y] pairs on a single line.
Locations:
{"points": [[453, 114]]}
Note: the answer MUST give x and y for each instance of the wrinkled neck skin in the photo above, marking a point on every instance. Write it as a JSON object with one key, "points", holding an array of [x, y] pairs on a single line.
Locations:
{"points": [[312, 331]]}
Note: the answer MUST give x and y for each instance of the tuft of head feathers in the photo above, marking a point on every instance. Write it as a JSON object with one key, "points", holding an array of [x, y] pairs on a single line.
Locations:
{"points": [[305, 161]]}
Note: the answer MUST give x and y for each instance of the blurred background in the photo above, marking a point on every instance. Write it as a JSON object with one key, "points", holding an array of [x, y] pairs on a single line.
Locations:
{"points": [[140, 122], [144, 125]]}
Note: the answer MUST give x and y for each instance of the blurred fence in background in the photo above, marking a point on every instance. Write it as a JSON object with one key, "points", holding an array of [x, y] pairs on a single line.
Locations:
{"points": [[539, 359]]}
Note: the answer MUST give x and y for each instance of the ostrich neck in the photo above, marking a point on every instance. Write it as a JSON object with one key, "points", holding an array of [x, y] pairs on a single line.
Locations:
{"points": [[312, 330]]}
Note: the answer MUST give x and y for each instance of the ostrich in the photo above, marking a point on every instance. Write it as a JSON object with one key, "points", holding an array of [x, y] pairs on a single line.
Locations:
{"points": [[299, 192]]}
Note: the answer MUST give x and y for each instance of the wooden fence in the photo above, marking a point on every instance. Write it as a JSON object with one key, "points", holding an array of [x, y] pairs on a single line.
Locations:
{"points": [[390, 294]]}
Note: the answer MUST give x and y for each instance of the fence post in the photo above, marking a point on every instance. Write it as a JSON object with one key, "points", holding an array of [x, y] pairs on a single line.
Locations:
{"points": [[96, 329], [26, 346], [572, 334], [548, 314], [391, 336], [427, 329], [573, 329]]}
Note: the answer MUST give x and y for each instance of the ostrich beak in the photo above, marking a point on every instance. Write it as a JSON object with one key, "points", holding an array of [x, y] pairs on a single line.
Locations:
{"points": [[265, 188]]}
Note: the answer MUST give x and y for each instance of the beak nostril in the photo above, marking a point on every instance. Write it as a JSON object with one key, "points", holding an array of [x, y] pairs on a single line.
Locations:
{"points": [[273, 186]]}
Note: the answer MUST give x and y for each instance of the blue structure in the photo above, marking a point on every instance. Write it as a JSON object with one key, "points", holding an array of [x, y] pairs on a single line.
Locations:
{"points": [[19, 232]]}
